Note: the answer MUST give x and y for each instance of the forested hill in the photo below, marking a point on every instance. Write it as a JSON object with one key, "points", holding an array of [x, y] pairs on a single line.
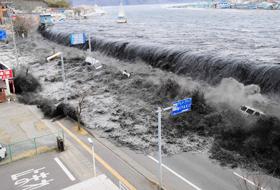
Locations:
{"points": [[126, 2]]}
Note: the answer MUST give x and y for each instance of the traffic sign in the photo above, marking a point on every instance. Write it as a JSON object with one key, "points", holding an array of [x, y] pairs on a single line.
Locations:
{"points": [[77, 38], [181, 106], [6, 74]]}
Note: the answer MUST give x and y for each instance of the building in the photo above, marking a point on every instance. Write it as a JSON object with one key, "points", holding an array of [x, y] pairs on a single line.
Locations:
{"points": [[7, 85], [3, 12]]}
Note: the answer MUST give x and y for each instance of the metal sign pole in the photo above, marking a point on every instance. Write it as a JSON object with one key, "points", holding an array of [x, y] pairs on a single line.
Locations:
{"points": [[177, 108], [159, 147], [63, 78], [89, 42]]}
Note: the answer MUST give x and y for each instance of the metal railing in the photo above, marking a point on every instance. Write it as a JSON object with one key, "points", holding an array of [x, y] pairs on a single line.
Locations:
{"points": [[31, 147]]}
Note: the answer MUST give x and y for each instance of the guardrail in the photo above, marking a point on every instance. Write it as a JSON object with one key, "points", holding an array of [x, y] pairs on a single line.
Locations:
{"points": [[31, 147]]}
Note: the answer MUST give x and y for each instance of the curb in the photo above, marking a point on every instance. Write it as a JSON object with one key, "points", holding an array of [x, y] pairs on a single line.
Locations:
{"points": [[124, 157]]}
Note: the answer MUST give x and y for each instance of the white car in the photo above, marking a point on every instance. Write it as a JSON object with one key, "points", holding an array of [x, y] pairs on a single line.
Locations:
{"points": [[3, 152], [251, 111]]}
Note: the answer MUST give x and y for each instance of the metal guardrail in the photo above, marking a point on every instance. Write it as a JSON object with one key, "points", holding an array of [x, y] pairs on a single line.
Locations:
{"points": [[31, 147]]}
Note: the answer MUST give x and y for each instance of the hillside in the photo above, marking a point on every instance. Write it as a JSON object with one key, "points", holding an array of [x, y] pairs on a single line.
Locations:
{"points": [[28, 4], [126, 2]]}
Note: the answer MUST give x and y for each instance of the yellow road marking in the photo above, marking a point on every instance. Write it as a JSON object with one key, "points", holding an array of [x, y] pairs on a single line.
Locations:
{"points": [[98, 158]]}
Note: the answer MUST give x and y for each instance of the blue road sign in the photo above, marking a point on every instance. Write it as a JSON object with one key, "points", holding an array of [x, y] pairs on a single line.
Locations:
{"points": [[77, 38], [3, 35], [181, 106]]}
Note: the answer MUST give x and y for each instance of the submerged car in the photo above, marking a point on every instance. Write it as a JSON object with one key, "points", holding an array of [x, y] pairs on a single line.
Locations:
{"points": [[3, 152], [251, 111]]}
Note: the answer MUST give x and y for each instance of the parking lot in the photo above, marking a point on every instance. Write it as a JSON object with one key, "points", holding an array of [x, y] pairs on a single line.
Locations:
{"points": [[24, 132], [44, 172]]}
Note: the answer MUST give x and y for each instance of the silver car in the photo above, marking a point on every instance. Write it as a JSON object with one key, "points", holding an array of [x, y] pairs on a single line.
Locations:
{"points": [[3, 152]]}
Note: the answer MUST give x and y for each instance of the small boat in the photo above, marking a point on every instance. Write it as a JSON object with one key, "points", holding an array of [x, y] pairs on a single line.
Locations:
{"points": [[121, 16]]}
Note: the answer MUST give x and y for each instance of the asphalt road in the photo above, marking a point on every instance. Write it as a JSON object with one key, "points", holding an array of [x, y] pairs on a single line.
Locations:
{"points": [[184, 171], [43, 172], [195, 171], [107, 161]]}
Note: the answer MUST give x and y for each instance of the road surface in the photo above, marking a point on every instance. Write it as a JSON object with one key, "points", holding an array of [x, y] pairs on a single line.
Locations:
{"points": [[43, 172]]}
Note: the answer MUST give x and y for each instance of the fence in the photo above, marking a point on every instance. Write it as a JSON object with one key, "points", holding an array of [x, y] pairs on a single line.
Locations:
{"points": [[30, 147]]}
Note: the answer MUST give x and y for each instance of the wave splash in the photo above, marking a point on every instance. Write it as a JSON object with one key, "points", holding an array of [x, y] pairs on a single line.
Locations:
{"points": [[201, 67]]}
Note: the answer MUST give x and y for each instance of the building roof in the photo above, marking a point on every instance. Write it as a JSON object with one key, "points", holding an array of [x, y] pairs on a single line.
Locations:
{"points": [[101, 182]]}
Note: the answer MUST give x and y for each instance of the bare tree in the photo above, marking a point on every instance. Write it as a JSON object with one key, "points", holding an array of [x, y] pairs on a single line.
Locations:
{"points": [[80, 107]]}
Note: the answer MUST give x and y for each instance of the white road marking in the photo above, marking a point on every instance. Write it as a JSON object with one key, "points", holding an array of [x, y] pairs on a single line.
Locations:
{"points": [[249, 181], [176, 174], [66, 171], [31, 179]]}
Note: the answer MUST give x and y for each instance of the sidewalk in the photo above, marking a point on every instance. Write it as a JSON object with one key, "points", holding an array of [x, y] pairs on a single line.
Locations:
{"points": [[20, 124], [111, 161]]}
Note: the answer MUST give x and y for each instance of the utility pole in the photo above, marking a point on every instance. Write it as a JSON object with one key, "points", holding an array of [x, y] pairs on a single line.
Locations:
{"points": [[63, 72], [63, 78], [159, 112], [159, 147], [14, 36], [15, 44], [177, 108], [89, 42]]}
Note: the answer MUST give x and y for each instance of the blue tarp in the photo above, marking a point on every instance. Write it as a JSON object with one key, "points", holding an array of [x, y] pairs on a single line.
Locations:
{"points": [[3, 35]]}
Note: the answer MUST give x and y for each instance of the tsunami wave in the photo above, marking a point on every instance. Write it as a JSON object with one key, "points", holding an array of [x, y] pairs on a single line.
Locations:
{"points": [[202, 67]]}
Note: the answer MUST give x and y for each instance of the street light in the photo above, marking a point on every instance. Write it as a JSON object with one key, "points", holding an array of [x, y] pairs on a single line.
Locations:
{"points": [[93, 156], [177, 108], [14, 37], [159, 112], [63, 72]]}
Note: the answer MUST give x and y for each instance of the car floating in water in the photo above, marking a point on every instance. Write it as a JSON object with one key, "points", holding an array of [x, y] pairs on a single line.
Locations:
{"points": [[3, 152], [251, 111]]}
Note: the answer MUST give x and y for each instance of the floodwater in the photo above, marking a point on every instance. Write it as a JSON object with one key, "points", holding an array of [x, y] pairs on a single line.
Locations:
{"points": [[206, 44], [239, 34]]}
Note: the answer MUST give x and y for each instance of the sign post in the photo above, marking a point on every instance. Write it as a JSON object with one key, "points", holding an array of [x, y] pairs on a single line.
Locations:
{"points": [[63, 78], [159, 147], [89, 42], [177, 108]]}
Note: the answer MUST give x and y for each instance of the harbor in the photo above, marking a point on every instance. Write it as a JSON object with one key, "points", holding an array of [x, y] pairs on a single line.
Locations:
{"points": [[225, 4]]}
